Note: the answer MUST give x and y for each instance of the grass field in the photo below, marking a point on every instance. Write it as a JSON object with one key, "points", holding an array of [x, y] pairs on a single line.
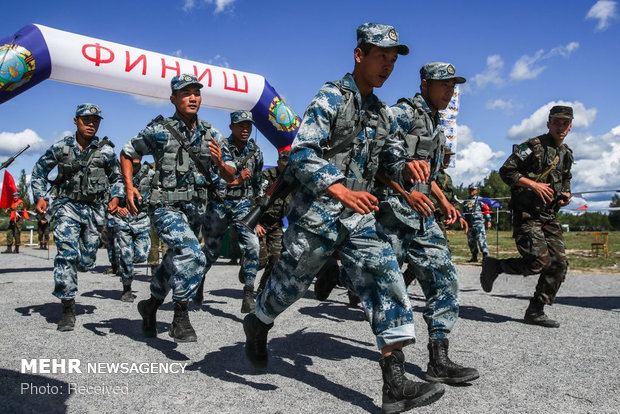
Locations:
{"points": [[501, 244], [578, 249]]}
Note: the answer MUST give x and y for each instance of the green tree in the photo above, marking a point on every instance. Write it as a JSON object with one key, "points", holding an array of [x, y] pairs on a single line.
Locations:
{"points": [[22, 187], [614, 216]]}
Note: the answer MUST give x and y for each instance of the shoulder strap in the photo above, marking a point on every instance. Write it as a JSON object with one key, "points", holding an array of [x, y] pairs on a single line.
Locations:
{"points": [[175, 134], [349, 99]]}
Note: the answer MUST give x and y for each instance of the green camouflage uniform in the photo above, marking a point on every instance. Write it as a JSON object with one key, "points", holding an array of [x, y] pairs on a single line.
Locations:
{"points": [[537, 231]]}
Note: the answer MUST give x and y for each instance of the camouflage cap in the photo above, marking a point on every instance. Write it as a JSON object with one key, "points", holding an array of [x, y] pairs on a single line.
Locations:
{"points": [[16, 193], [283, 156], [440, 71], [183, 80], [559, 111], [380, 35], [86, 109], [472, 187], [241, 116]]}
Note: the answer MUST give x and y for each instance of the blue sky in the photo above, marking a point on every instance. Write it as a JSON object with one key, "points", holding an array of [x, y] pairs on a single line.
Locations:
{"points": [[519, 58]]}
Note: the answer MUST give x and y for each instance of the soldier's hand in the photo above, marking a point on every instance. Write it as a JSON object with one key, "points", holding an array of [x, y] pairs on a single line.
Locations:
{"points": [[359, 201], [132, 194], [544, 191], [216, 152], [260, 230], [464, 224], [563, 203], [41, 205], [244, 174], [449, 212], [122, 211], [113, 205], [420, 203], [416, 172]]}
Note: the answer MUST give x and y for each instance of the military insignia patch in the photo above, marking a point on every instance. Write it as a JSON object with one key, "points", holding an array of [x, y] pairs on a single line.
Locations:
{"points": [[244, 115], [282, 116], [17, 66], [187, 78], [450, 69], [93, 110], [523, 151], [392, 34]]}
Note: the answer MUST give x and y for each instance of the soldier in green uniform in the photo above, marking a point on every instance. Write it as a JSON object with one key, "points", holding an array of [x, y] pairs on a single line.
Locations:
{"points": [[538, 173], [269, 227]]}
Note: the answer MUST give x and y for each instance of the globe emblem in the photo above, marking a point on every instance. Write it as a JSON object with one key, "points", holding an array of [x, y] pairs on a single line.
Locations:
{"points": [[284, 115], [13, 66]]}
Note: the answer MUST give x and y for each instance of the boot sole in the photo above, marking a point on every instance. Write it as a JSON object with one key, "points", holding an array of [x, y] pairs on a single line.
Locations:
{"points": [[557, 325], [192, 338], [451, 380], [404, 405], [65, 328]]}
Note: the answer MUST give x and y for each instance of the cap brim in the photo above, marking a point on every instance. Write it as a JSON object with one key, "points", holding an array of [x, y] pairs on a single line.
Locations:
{"points": [[459, 79], [402, 49]]}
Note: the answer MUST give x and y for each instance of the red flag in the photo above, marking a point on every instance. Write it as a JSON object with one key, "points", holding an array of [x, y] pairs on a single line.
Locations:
{"points": [[8, 188], [583, 207]]}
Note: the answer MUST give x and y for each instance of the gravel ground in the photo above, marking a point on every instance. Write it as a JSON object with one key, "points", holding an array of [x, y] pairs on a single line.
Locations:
{"points": [[323, 357]]}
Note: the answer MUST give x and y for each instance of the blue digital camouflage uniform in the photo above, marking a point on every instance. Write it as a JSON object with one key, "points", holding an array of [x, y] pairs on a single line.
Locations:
{"points": [[416, 240], [319, 225], [477, 235], [234, 204], [108, 234], [132, 234], [177, 199], [79, 207]]}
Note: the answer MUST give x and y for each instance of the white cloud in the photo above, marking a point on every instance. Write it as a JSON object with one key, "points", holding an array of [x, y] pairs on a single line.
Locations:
{"points": [[11, 142], [491, 73], [220, 5], [219, 60], [474, 159], [597, 161], [152, 102], [604, 11], [500, 104], [178, 53], [536, 123], [529, 67]]}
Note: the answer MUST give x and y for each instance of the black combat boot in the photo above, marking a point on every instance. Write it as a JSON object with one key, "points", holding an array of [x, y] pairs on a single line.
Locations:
{"points": [[535, 315], [256, 340], [200, 295], [474, 258], [248, 304], [148, 311], [181, 329], [16, 249], [354, 300], [67, 322], [400, 393], [127, 295], [491, 268], [442, 369], [326, 279], [8, 249]]}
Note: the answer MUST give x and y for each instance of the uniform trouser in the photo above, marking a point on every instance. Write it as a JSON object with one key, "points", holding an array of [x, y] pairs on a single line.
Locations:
{"points": [[372, 268], [109, 236], [426, 252], [183, 265], [14, 233], [77, 234], [477, 236], [132, 243], [270, 246], [218, 217], [541, 245], [44, 232]]}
